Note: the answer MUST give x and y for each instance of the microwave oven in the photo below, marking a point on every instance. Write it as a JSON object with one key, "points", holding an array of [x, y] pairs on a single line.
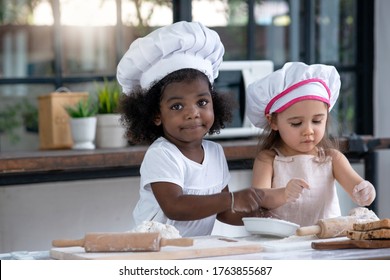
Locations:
{"points": [[234, 77]]}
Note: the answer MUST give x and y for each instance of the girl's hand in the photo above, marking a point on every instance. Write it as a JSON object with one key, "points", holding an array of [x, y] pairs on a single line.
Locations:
{"points": [[294, 189], [363, 194], [248, 200]]}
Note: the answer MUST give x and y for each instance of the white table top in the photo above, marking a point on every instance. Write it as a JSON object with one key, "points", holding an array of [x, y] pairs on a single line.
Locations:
{"points": [[291, 248]]}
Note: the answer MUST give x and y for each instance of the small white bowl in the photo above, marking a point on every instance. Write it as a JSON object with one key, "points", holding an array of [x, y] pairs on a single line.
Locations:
{"points": [[269, 226]]}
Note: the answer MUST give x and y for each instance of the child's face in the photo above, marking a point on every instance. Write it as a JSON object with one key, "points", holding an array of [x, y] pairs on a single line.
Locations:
{"points": [[302, 126], [186, 111]]}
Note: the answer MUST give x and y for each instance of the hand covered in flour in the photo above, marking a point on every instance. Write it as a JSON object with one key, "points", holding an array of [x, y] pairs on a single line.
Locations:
{"points": [[363, 194], [294, 189]]}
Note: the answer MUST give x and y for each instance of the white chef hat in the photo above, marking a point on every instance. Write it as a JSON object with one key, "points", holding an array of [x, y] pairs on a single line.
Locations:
{"points": [[294, 82], [167, 49]]}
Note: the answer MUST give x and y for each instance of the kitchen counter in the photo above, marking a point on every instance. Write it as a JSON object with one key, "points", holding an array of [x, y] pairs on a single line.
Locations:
{"points": [[68, 160], [297, 248], [64, 165]]}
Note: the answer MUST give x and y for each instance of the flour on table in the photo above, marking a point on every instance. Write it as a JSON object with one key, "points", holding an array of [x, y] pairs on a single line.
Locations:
{"points": [[166, 231]]}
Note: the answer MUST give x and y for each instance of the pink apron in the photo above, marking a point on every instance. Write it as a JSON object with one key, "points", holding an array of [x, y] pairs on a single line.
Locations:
{"points": [[318, 202]]}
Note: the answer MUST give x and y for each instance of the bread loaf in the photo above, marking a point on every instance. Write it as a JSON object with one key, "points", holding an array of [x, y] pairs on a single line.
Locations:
{"points": [[369, 234], [384, 223]]}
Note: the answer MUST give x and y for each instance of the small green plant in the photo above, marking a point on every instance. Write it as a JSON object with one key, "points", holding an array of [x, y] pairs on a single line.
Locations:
{"points": [[83, 109], [108, 97], [30, 116], [15, 115], [9, 121]]}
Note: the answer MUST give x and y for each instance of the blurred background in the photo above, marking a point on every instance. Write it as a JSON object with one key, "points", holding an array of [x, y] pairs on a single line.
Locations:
{"points": [[49, 44], [45, 45]]}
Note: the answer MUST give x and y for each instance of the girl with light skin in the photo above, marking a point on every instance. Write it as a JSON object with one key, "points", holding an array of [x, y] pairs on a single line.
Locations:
{"points": [[297, 161]]}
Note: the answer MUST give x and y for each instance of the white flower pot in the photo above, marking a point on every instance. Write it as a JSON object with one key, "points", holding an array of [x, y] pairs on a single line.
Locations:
{"points": [[83, 133], [109, 131]]}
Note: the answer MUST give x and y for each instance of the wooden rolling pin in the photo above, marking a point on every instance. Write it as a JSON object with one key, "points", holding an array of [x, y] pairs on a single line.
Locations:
{"points": [[123, 242], [328, 228], [338, 226]]}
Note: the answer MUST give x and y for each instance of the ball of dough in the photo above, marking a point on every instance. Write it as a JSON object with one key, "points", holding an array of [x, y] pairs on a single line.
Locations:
{"points": [[166, 231]]}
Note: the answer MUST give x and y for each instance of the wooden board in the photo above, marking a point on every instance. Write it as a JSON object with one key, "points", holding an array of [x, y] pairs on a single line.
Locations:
{"points": [[351, 244], [203, 247]]}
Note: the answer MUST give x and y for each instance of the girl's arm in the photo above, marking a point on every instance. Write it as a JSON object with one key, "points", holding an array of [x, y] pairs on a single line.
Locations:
{"points": [[235, 218], [263, 170], [262, 179], [362, 192], [181, 207]]}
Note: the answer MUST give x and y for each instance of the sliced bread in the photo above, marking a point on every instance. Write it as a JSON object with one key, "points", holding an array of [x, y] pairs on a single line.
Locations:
{"points": [[383, 223], [369, 234]]}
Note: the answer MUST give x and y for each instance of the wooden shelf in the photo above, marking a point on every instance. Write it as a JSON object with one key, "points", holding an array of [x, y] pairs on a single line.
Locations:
{"points": [[57, 165]]}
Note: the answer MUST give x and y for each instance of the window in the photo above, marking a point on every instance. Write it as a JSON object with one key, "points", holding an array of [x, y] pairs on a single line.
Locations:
{"points": [[49, 44], [336, 32]]}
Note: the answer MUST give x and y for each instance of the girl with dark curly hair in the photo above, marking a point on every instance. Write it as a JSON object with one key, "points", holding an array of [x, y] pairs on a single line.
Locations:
{"points": [[172, 105], [141, 108]]}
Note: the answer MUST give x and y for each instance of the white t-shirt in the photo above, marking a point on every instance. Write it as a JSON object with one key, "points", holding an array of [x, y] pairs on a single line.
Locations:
{"points": [[163, 162]]}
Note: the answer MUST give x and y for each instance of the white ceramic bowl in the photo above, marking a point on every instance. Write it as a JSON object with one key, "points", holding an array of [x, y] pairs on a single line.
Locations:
{"points": [[269, 226]]}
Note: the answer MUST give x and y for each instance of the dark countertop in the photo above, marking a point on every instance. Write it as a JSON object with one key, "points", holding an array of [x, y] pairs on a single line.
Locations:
{"points": [[64, 165], [59, 165]]}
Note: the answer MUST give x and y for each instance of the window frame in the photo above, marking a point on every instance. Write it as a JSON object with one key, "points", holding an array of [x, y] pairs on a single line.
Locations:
{"points": [[363, 68]]}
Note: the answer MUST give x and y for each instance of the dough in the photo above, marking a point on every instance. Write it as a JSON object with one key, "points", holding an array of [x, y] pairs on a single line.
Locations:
{"points": [[363, 214], [338, 226], [166, 231]]}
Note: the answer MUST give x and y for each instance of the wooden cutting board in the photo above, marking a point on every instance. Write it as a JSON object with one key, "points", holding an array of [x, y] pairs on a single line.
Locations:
{"points": [[351, 244], [210, 246]]}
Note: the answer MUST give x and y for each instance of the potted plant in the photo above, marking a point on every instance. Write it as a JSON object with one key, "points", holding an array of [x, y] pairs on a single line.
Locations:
{"points": [[83, 124], [17, 115], [9, 121], [30, 116], [109, 131]]}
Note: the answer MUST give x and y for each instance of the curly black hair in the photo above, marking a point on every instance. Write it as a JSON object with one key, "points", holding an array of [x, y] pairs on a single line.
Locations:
{"points": [[140, 108]]}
